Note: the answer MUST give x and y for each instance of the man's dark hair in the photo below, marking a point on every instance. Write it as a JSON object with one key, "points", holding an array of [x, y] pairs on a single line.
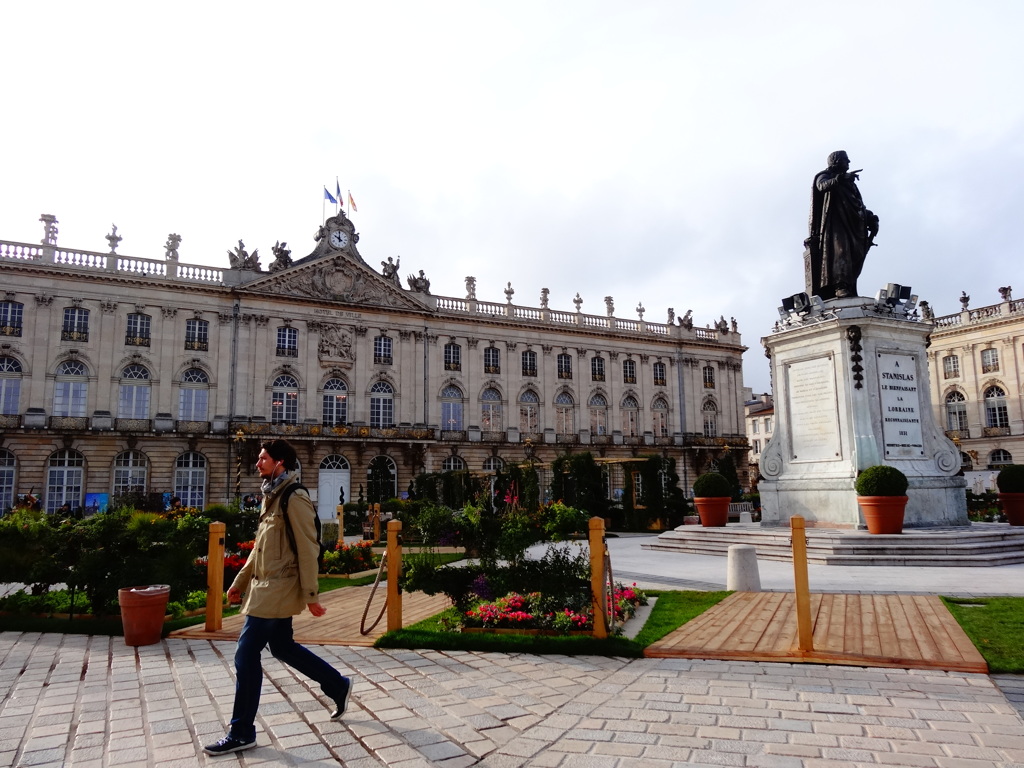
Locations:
{"points": [[281, 450]]}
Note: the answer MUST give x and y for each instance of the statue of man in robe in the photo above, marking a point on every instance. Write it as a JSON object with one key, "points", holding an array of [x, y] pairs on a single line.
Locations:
{"points": [[841, 231]]}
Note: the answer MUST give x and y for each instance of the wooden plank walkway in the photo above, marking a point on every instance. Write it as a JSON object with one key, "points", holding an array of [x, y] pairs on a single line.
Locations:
{"points": [[340, 626], [907, 631]]}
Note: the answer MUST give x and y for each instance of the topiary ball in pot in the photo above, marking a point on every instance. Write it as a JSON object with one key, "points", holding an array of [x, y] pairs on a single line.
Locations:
{"points": [[881, 480], [711, 485], [712, 493], [1010, 482]]}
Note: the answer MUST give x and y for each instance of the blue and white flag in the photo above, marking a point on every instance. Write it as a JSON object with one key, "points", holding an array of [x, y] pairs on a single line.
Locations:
{"points": [[329, 196]]}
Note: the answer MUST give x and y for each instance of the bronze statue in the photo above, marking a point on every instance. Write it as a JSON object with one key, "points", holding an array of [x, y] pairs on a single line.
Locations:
{"points": [[841, 231]]}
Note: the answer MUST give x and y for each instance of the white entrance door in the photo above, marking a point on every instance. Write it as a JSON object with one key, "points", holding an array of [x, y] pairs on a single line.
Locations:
{"points": [[335, 476]]}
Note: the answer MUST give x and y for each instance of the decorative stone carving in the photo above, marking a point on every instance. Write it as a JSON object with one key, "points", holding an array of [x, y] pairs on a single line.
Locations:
{"points": [[240, 258], [686, 321], [609, 305], [671, 316], [108, 307], [335, 341], [853, 334], [282, 257], [1006, 293], [509, 292], [345, 281], [544, 293], [113, 238], [640, 310], [171, 247], [49, 229], [965, 300], [389, 269], [419, 284], [470, 288], [169, 311], [578, 301]]}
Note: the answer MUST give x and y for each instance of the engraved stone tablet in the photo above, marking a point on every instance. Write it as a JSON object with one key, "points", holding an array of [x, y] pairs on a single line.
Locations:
{"points": [[901, 406], [814, 411]]}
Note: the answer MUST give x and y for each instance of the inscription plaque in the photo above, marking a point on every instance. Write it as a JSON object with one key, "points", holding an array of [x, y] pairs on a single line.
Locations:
{"points": [[814, 410], [901, 406]]}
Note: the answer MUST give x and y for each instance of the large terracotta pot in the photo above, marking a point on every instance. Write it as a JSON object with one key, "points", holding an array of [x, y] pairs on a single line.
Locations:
{"points": [[713, 510], [883, 514], [1013, 507]]}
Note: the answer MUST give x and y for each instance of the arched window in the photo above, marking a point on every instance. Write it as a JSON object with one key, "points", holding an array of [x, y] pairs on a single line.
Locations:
{"points": [[529, 363], [452, 357], [335, 403], [999, 458], [451, 408], [564, 366], [630, 416], [597, 369], [995, 408], [659, 417], [493, 464], [284, 400], [565, 414], [529, 411], [659, 375], [381, 479], [382, 405], [10, 386], [190, 479], [70, 389], [453, 464], [598, 414], [490, 410], [709, 377], [966, 463], [130, 472], [956, 412], [334, 461], [194, 396], [8, 464], [64, 475], [133, 393], [710, 412]]}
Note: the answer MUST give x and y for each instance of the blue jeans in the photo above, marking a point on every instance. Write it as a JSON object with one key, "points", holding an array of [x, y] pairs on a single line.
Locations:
{"points": [[256, 634]]}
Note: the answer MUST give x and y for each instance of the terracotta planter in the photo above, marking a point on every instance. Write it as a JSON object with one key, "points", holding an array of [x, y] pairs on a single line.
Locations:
{"points": [[1013, 507], [713, 510], [883, 514]]}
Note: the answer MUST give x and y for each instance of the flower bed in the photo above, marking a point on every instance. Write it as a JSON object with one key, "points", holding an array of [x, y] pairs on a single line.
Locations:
{"points": [[351, 559]]}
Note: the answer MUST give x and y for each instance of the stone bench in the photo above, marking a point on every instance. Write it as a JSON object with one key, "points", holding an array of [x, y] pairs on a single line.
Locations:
{"points": [[741, 512]]}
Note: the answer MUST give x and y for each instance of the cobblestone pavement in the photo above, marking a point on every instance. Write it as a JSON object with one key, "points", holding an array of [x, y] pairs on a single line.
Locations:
{"points": [[87, 702]]}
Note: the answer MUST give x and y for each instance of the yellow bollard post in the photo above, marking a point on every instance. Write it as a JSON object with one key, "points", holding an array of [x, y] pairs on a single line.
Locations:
{"points": [[805, 632], [215, 578], [597, 585], [376, 521], [394, 574]]}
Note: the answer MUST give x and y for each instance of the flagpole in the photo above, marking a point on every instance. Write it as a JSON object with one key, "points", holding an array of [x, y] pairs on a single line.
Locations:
{"points": [[337, 190]]}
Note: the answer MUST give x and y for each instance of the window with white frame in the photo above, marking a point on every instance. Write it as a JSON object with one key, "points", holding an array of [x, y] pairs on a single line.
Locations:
{"points": [[130, 472], [453, 464], [197, 335], [70, 389], [989, 360], [597, 369], [382, 350], [529, 412], [452, 357], [451, 408], [755, 426], [8, 466], [630, 416], [493, 464], [659, 417], [10, 386], [133, 393], [660, 378], [194, 396], [629, 371], [950, 367], [490, 410], [335, 403], [76, 324], [709, 377], [598, 406], [565, 414], [287, 341], [956, 412], [64, 475], [12, 315], [999, 458], [284, 400], [492, 360], [529, 358], [137, 332], [382, 405], [996, 415], [564, 366], [710, 413], [768, 425], [757, 446], [190, 479]]}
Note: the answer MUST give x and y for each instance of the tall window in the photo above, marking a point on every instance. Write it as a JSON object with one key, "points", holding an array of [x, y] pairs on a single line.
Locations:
{"points": [[453, 464], [529, 411], [382, 405], [950, 367], [565, 414], [709, 377], [659, 417], [710, 413], [492, 360], [755, 426], [10, 387], [194, 396], [190, 479], [70, 389], [630, 417], [382, 350], [529, 363], [287, 341], [133, 393], [989, 360], [64, 474], [659, 375], [451, 408], [490, 410], [956, 412], [767, 425], [564, 366], [452, 357], [7, 468], [597, 369], [598, 414], [629, 371], [995, 408], [381, 479], [76, 324], [137, 332], [757, 446], [335, 403], [11, 314], [284, 400], [197, 335], [130, 472]]}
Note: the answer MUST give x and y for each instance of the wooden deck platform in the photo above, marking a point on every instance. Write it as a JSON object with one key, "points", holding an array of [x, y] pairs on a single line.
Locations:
{"points": [[868, 630], [340, 626]]}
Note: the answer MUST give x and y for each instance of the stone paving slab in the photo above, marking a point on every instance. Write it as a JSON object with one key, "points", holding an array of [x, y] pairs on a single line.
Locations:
{"points": [[92, 702]]}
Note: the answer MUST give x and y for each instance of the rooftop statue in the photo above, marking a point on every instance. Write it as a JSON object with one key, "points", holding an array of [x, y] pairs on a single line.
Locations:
{"points": [[420, 283], [389, 269], [841, 231], [282, 257]]}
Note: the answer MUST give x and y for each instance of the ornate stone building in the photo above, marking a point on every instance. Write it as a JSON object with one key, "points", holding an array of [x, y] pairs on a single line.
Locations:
{"points": [[976, 359], [121, 373]]}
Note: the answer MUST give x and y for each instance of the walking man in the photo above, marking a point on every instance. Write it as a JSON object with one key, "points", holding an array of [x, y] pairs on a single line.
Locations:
{"points": [[278, 581]]}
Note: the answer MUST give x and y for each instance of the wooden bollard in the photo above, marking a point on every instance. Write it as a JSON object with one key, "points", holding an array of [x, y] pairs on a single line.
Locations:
{"points": [[215, 578], [597, 585], [394, 574], [805, 632]]}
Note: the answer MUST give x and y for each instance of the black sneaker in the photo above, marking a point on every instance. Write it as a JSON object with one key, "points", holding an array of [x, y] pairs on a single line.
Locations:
{"points": [[228, 745], [341, 703]]}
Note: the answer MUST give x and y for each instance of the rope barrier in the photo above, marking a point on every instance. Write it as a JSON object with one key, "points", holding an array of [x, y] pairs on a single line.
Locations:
{"points": [[363, 630], [608, 592]]}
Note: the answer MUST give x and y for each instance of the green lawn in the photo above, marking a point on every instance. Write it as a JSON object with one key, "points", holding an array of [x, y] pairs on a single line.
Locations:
{"points": [[995, 626]]}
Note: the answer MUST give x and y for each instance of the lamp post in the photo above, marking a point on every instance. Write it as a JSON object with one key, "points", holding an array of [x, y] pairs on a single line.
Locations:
{"points": [[239, 442]]}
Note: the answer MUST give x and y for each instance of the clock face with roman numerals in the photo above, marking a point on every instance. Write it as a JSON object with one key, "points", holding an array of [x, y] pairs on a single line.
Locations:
{"points": [[339, 238]]}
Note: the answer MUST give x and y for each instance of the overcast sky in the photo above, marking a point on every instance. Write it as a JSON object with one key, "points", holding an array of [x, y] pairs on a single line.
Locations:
{"points": [[657, 152]]}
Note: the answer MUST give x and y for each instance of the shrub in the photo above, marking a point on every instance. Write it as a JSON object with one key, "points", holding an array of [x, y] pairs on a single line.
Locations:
{"points": [[1011, 479], [712, 485], [881, 480]]}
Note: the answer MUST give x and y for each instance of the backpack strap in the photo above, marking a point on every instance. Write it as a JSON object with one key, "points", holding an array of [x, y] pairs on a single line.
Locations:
{"points": [[285, 495]]}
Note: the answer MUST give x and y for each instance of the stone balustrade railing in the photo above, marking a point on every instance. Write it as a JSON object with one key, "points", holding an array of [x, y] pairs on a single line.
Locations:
{"points": [[981, 314]]}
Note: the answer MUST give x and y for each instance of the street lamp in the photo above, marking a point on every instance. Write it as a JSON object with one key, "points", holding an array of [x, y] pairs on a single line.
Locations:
{"points": [[239, 442]]}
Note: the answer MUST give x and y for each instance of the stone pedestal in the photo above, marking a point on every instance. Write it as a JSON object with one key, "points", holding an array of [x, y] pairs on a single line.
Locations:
{"points": [[851, 390]]}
